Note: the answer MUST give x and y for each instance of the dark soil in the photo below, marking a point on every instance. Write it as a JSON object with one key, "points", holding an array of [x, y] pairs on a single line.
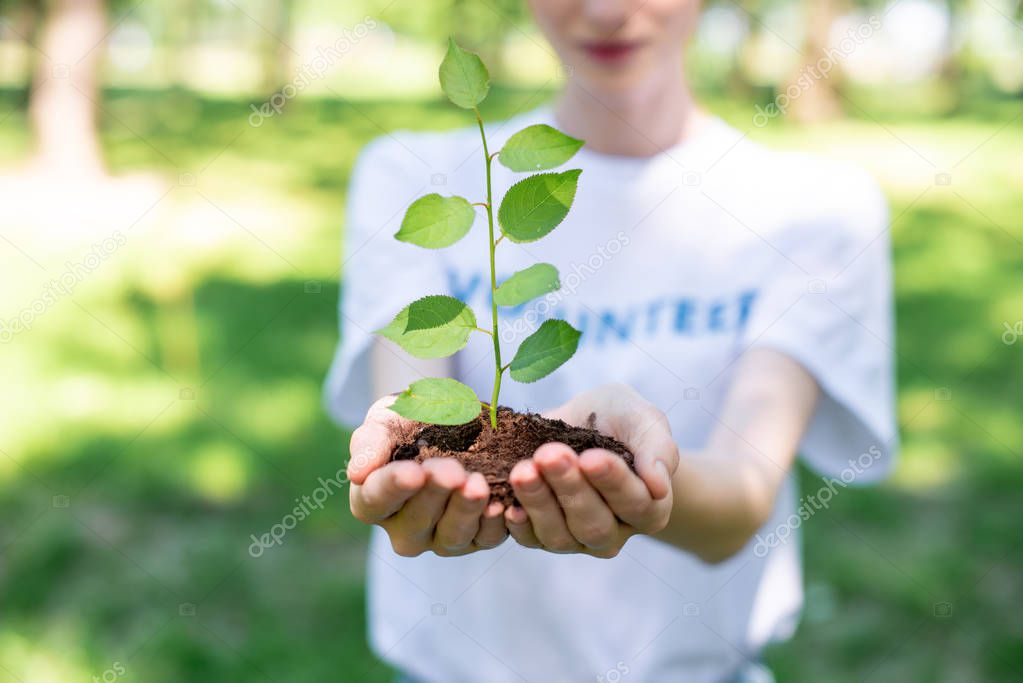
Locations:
{"points": [[481, 449]]}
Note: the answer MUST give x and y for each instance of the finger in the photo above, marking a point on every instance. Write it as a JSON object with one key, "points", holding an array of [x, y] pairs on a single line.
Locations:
{"points": [[649, 438], [542, 507], [370, 448], [460, 522], [589, 519], [492, 531], [623, 413], [567, 412], [385, 490], [374, 440], [419, 516], [626, 494], [520, 528]]}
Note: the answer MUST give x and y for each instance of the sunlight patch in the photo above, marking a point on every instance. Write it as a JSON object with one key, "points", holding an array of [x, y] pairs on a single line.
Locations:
{"points": [[219, 472]]}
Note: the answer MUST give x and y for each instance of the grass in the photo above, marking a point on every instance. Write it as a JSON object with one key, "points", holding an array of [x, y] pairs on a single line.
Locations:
{"points": [[171, 410]]}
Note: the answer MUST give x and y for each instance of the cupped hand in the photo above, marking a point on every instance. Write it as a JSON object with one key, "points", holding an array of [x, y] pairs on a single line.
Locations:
{"points": [[591, 502], [434, 506]]}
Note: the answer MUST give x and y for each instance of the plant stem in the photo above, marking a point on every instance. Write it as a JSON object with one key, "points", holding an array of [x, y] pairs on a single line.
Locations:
{"points": [[498, 370]]}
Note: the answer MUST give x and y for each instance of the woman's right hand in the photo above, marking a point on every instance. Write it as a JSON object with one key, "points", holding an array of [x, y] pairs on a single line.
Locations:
{"points": [[435, 505]]}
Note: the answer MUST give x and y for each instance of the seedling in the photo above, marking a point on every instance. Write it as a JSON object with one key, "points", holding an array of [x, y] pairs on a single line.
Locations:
{"points": [[439, 325]]}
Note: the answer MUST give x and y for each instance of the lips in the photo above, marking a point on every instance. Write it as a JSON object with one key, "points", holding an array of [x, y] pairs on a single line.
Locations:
{"points": [[610, 50]]}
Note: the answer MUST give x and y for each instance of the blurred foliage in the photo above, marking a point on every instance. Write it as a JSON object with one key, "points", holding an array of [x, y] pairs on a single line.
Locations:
{"points": [[981, 51], [170, 410], [164, 491]]}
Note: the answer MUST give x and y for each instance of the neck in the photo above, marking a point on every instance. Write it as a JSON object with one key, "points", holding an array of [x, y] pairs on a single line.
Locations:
{"points": [[642, 121]]}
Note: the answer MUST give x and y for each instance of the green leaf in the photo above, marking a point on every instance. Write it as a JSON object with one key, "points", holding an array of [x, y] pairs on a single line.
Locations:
{"points": [[438, 310], [463, 77], [408, 330], [438, 401], [435, 222], [527, 284], [537, 148], [544, 351], [533, 207]]}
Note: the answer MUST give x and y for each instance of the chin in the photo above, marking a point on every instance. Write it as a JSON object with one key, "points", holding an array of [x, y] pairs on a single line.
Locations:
{"points": [[611, 80]]}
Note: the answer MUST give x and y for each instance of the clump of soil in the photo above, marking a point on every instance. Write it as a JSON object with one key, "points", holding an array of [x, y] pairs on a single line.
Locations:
{"points": [[494, 453]]}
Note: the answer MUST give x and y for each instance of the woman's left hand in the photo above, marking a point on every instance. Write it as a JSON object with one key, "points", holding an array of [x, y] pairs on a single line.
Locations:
{"points": [[591, 502]]}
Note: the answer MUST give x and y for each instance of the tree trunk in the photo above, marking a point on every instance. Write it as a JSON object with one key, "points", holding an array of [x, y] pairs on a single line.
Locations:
{"points": [[65, 94], [277, 56], [24, 21], [818, 98], [182, 31], [953, 72]]}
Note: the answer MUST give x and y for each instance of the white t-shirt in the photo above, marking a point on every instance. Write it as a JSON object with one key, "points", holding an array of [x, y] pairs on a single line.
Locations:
{"points": [[671, 266]]}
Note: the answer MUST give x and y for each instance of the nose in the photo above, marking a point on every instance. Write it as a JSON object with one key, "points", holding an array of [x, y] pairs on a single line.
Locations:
{"points": [[606, 15]]}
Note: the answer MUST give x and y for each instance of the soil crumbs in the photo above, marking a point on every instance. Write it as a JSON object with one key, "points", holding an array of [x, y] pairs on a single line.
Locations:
{"points": [[494, 453]]}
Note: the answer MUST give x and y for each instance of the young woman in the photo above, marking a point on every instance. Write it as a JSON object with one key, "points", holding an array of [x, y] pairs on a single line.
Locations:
{"points": [[735, 306]]}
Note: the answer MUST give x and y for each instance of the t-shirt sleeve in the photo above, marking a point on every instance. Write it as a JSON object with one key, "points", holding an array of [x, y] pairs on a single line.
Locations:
{"points": [[827, 303], [379, 275]]}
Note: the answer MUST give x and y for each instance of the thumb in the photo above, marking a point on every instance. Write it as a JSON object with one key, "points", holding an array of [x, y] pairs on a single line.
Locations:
{"points": [[373, 442], [578, 411], [656, 455]]}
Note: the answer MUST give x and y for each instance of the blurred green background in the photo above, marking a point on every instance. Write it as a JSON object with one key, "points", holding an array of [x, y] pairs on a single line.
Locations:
{"points": [[163, 407]]}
